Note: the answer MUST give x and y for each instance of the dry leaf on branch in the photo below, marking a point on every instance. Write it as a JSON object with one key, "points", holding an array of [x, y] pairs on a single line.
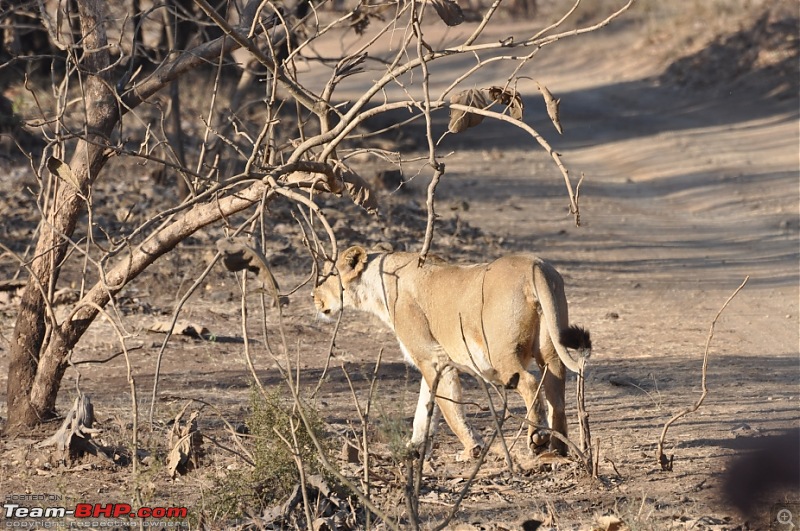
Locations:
{"points": [[184, 328], [62, 170], [552, 106], [349, 66], [237, 255], [337, 179], [463, 120], [449, 11], [510, 98], [185, 443], [316, 181], [359, 191], [360, 18]]}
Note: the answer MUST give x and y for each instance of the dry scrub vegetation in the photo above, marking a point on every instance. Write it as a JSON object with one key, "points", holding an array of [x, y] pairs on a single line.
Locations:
{"points": [[158, 153]]}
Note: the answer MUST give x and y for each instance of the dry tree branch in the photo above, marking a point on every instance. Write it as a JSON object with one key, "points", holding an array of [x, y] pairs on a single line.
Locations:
{"points": [[478, 376], [247, 356], [300, 94], [574, 209], [438, 167], [566, 440], [544, 41], [535, 404], [583, 417], [365, 442], [363, 416], [429, 202], [467, 486], [331, 345], [498, 423], [666, 462], [557, 23], [301, 469], [162, 240], [413, 502], [484, 22], [134, 401]]}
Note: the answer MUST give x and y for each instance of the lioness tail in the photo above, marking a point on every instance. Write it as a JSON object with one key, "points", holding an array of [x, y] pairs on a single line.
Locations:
{"points": [[549, 288], [576, 338]]}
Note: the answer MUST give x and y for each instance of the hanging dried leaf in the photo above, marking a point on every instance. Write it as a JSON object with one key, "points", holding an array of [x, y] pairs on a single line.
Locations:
{"points": [[61, 169], [349, 66], [317, 181], [237, 255], [359, 191], [552, 106], [449, 11], [185, 443], [360, 18], [463, 120], [510, 98]]}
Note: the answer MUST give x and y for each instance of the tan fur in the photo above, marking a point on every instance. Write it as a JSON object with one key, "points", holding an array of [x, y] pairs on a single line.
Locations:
{"points": [[493, 320]]}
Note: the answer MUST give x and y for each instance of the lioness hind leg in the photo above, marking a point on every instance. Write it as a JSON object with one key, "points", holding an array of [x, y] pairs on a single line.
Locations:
{"points": [[554, 383], [526, 387]]}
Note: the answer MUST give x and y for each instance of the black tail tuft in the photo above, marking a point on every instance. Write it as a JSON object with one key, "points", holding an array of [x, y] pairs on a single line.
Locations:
{"points": [[576, 338]]}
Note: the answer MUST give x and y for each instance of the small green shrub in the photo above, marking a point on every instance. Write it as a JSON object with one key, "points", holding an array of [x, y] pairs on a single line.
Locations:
{"points": [[275, 473]]}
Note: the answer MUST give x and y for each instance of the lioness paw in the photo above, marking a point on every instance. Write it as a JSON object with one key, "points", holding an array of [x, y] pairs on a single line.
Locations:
{"points": [[539, 442], [469, 454]]}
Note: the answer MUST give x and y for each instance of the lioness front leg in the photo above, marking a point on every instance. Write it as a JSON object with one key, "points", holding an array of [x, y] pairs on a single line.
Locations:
{"points": [[448, 398], [421, 433]]}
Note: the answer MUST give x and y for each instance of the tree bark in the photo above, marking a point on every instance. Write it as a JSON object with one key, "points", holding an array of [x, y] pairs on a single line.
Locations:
{"points": [[39, 348], [30, 330]]}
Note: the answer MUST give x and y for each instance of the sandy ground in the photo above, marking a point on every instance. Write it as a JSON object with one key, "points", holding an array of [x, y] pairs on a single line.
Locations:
{"points": [[685, 194]]}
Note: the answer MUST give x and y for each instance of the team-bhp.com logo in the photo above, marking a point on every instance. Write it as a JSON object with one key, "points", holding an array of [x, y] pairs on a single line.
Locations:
{"points": [[14, 511]]}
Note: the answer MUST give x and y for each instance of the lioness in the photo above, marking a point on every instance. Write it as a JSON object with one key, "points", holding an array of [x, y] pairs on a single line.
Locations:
{"points": [[490, 319]]}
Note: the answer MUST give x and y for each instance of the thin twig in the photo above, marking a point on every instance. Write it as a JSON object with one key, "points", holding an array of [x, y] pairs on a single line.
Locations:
{"points": [[574, 209], [583, 417], [426, 244], [666, 462], [533, 407], [365, 435], [497, 422], [467, 486], [176, 313]]}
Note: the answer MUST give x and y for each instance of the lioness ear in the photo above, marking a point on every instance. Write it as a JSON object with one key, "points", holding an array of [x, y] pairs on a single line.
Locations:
{"points": [[352, 262]]}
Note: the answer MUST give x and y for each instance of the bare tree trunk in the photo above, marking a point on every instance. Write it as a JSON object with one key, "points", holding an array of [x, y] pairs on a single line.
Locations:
{"points": [[38, 352], [46, 383], [30, 332]]}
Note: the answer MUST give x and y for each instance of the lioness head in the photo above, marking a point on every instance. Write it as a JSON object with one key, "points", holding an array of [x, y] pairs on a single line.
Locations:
{"points": [[339, 289]]}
